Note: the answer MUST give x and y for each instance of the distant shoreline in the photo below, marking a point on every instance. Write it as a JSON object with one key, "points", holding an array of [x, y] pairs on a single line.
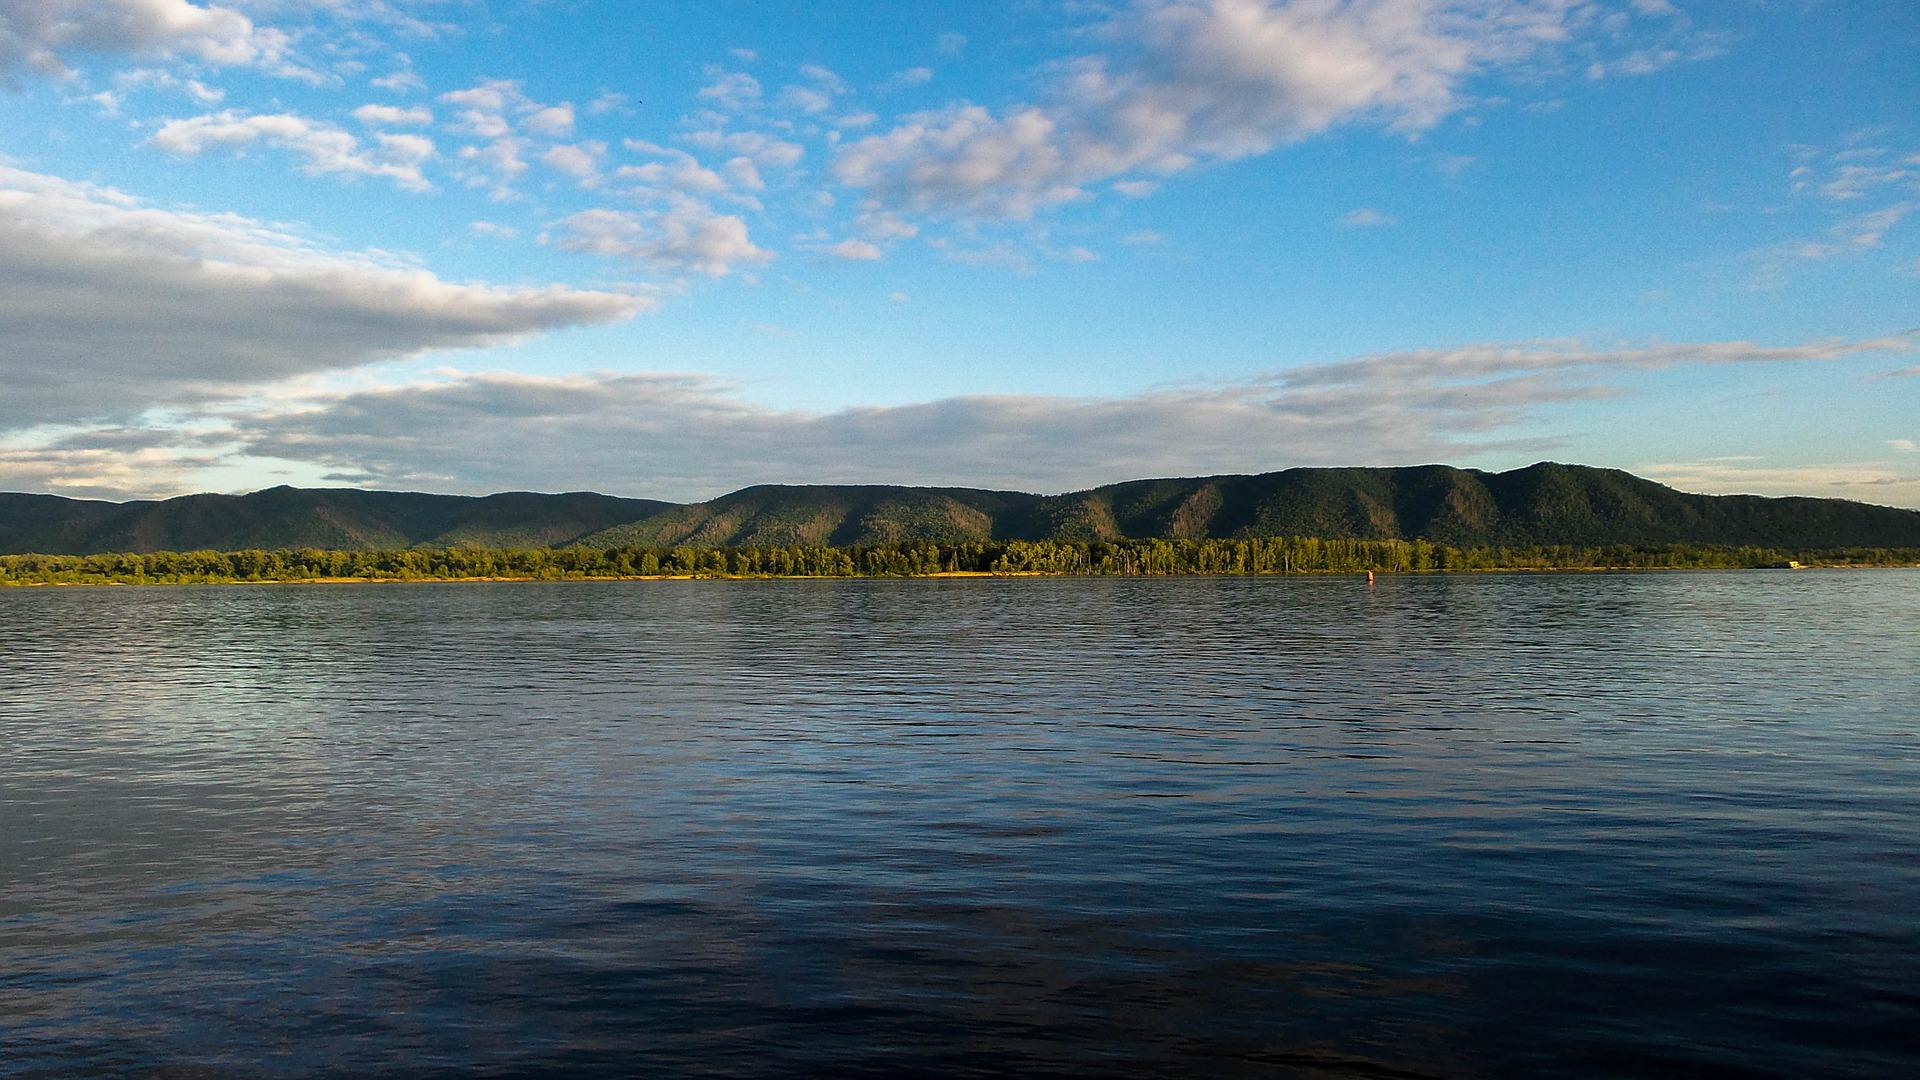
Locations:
{"points": [[1253, 556], [945, 575]]}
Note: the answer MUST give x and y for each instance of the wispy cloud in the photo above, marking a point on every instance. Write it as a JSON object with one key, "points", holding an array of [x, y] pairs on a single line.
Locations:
{"points": [[323, 147], [1865, 481], [682, 238], [635, 430], [113, 306], [1194, 81], [1367, 218]]}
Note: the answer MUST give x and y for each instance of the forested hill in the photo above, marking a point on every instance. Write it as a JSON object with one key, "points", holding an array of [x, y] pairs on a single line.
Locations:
{"points": [[285, 517], [1541, 504]]}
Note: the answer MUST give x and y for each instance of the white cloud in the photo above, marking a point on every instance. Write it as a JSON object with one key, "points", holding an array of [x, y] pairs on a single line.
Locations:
{"points": [[393, 116], [1855, 181], [763, 149], [113, 306], [109, 471], [1367, 217], [157, 79], [663, 179], [400, 82], [950, 44], [1867, 230], [1865, 481], [1541, 357], [743, 174], [555, 120], [816, 95], [43, 36], [632, 431], [1850, 236], [610, 102], [482, 107], [881, 225], [731, 89], [494, 229], [578, 160], [1851, 172], [325, 147], [854, 249], [500, 114], [502, 159], [1905, 446], [907, 79], [806, 99], [1199, 81], [686, 238], [680, 177]]}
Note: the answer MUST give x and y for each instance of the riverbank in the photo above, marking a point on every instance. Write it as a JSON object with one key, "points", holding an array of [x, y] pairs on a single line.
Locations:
{"points": [[909, 559], [941, 575]]}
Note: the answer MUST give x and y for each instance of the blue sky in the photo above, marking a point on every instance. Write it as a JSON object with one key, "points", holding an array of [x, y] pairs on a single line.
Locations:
{"points": [[671, 249]]}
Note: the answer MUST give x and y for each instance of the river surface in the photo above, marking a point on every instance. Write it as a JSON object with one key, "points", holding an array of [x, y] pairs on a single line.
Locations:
{"points": [[1474, 825]]}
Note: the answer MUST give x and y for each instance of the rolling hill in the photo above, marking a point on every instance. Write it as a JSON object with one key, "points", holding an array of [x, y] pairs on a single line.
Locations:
{"points": [[1546, 503], [285, 517]]}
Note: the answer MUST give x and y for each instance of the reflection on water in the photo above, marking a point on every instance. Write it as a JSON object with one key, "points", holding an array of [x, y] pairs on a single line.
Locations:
{"points": [[1473, 825]]}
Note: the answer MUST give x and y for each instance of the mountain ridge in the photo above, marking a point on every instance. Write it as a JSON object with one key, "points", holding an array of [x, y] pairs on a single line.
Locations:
{"points": [[1544, 503]]}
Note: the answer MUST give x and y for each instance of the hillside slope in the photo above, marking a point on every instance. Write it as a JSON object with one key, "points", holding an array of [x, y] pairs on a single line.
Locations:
{"points": [[1541, 504], [286, 517]]}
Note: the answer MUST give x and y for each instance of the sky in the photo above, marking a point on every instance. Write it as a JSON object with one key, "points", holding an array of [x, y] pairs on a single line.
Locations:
{"points": [[672, 249]]}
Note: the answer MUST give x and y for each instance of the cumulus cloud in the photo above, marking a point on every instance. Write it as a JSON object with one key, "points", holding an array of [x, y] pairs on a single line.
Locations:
{"points": [[683, 238], [112, 306], [499, 113], [42, 36], [816, 95], [680, 175], [400, 82], [1195, 81], [578, 160], [687, 436], [730, 89], [756, 146], [325, 147], [555, 120], [854, 249], [393, 116]]}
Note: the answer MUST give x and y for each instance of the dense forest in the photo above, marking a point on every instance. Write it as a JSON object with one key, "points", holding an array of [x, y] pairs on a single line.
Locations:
{"points": [[1542, 505], [1125, 558]]}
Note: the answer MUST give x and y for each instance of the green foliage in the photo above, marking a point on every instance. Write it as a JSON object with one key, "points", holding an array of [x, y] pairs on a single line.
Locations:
{"points": [[1539, 506], [918, 558]]}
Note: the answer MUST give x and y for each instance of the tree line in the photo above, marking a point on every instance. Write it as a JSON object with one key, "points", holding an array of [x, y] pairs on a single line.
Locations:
{"points": [[1121, 558]]}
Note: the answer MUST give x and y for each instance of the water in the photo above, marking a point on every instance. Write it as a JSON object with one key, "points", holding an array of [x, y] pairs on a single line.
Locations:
{"points": [[1494, 825]]}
